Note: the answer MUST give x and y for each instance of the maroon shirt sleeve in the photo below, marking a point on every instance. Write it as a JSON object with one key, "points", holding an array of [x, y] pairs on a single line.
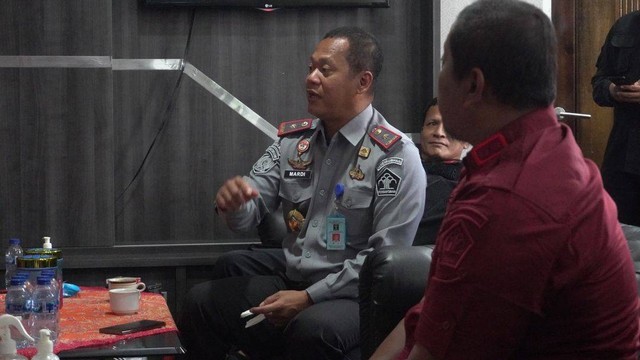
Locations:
{"points": [[487, 279]]}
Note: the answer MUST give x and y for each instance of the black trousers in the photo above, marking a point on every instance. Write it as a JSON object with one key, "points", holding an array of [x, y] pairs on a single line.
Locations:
{"points": [[624, 188], [210, 323]]}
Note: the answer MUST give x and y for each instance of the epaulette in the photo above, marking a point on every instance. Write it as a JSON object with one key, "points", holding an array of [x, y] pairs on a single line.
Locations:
{"points": [[384, 137], [294, 126]]}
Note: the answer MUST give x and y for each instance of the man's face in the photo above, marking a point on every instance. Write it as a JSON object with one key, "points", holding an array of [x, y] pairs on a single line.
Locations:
{"points": [[450, 97], [436, 144], [330, 85]]}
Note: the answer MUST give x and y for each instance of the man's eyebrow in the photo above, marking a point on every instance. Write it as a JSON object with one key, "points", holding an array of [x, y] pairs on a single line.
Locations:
{"points": [[322, 60]]}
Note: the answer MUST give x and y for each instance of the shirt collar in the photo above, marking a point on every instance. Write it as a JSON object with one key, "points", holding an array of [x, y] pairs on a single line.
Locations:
{"points": [[355, 129], [489, 149]]}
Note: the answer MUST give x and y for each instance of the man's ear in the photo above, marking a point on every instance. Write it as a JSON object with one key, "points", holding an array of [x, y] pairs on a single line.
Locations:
{"points": [[475, 86], [365, 82]]}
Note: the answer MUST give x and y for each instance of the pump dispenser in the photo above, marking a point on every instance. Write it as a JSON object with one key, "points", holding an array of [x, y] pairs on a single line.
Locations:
{"points": [[7, 344], [45, 347]]}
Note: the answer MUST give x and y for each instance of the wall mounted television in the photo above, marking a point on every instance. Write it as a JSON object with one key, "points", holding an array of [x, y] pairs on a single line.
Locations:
{"points": [[271, 4]]}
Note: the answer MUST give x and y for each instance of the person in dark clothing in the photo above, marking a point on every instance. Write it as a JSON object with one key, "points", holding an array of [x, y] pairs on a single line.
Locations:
{"points": [[620, 56], [441, 157]]}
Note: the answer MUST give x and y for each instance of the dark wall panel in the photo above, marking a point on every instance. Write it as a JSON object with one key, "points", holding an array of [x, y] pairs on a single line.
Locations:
{"points": [[59, 27], [57, 149], [98, 157], [262, 59]]}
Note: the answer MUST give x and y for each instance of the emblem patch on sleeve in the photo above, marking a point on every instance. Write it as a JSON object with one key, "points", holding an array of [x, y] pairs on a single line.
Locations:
{"points": [[389, 161], [268, 160], [387, 183], [455, 242]]}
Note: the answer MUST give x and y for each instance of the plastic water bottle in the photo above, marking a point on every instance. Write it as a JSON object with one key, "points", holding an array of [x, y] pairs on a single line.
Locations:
{"points": [[44, 313], [18, 303], [13, 251], [55, 286], [27, 282]]}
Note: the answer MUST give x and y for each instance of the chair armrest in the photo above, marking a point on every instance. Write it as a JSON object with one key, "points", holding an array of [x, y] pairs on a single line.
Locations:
{"points": [[392, 279], [632, 233]]}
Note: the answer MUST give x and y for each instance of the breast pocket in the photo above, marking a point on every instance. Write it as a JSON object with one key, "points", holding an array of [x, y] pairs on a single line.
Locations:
{"points": [[296, 196], [624, 48], [357, 207]]}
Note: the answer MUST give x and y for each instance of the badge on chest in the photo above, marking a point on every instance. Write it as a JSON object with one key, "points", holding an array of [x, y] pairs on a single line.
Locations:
{"points": [[336, 233]]}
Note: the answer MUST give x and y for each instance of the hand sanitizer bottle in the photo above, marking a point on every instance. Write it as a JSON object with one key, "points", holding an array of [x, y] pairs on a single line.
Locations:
{"points": [[7, 344], [45, 347]]}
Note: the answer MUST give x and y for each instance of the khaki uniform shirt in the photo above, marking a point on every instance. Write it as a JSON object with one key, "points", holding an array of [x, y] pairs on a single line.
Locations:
{"points": [[382, 208]]}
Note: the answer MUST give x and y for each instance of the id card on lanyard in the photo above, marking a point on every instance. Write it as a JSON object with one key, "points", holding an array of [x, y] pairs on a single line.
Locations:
{"points": [[336, 232]]}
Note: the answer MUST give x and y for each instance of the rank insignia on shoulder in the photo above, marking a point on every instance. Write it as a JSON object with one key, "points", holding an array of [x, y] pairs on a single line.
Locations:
{"points": [[384, 137], [294, 126]]}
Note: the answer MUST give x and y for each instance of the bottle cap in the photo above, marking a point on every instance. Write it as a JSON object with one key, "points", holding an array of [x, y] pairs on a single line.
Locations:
{"points": [[15, 281], [46, 242], [44, 280]]}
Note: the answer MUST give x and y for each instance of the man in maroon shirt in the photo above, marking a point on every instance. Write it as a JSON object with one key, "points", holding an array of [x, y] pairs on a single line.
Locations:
{"points": [[530, 262]]}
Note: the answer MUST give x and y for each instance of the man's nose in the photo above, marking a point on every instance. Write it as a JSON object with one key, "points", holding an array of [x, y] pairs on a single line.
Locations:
{"points": [[312, 77], [439, 132]]}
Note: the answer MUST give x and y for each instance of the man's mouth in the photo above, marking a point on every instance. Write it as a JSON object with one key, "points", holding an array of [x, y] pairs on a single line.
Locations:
{"points": [[312, 95]]}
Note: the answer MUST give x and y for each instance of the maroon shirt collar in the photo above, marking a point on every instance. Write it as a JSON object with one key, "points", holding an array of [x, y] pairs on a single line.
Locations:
{"points": [[490, 148]]}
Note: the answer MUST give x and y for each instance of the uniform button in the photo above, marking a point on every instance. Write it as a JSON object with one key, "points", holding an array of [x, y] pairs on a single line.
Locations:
{"points": [[307, 254], [446, 325], [329, 162], [348, 203], [322, 192], [314, 223]]}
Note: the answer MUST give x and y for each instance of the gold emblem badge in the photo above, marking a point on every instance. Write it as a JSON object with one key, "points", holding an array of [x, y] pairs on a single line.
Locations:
{"points": [[295, 220], [299, 164], [364, 152], [356, 173]]}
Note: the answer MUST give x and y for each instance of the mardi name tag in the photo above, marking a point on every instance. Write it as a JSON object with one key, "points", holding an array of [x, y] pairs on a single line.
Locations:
{"points": [[297, 174], [336, 233]]}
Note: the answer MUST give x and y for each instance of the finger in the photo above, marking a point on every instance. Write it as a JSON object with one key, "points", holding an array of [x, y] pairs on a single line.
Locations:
{"points": [[226, 200], [242, 189], [234, 193], [266, 308]]}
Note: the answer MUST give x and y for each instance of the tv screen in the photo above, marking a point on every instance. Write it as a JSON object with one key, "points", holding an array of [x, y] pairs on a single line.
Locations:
{"points": [[270, 4]]}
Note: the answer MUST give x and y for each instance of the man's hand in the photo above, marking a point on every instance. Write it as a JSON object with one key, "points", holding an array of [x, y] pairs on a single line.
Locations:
{"points": [[282, 306], [626, 93], [234, 193]]}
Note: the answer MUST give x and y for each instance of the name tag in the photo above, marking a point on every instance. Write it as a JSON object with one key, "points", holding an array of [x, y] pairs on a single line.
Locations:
{"points": [[297, 174], [336, 233]]}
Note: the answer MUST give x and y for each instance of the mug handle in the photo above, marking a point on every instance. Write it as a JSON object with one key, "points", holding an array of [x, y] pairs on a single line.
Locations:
{"points": [[141, 286]]}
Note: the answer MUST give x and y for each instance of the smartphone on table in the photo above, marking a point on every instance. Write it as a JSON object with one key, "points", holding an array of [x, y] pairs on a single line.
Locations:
{"points": [[132, 327]]}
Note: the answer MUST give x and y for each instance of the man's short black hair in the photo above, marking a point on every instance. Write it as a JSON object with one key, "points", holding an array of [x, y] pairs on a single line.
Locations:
{"points": [[515, 46], [433, 102], [364, 50]]}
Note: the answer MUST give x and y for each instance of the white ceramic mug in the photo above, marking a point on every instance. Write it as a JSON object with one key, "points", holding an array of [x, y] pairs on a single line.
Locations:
{"points": [[125, 282], [124, 301]]}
